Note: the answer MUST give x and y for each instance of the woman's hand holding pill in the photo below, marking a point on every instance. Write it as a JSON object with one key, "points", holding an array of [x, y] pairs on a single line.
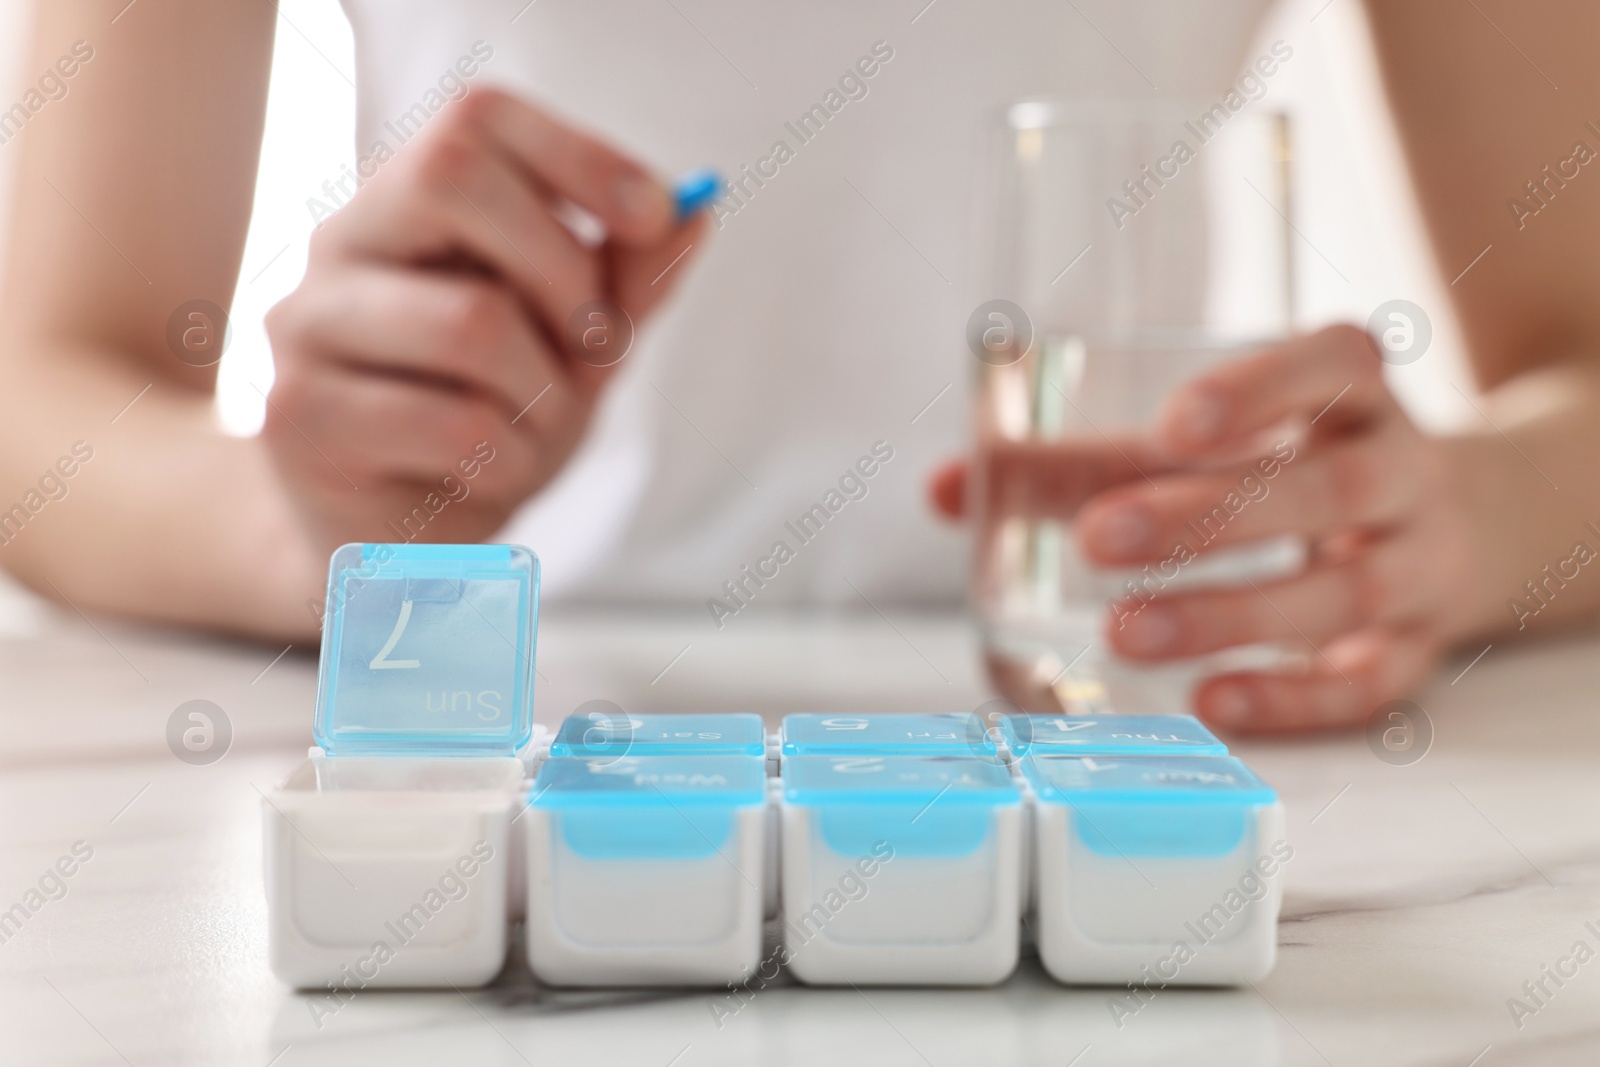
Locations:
{"points": [[1301, 439], [450, 305]]}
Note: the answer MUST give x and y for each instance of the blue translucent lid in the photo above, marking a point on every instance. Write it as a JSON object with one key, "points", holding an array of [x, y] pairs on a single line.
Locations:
{"points": [[1131, 806], [649, 807], [889, 735], [606, 733], [1112, 735], [569, 781], [916, 805], [864, 779], [1146, 780], [428, 649]]}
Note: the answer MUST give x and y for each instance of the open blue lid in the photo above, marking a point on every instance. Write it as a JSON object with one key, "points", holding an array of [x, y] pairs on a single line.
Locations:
{"points": [[945, 733], [1146, 780], [428, 650], [1112, 735], [666, 780], [608, 733]]}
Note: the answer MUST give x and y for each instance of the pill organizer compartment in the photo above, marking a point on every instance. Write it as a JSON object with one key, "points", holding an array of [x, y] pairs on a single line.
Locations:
{"points": [[950, 734], [1103, 735], [1109, 735], [1164, 869], [900, 869], [389, 851], [600, 734], [646, 870], [390, 872]]}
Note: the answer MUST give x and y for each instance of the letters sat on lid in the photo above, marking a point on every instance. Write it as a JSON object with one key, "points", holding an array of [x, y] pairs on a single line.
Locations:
{"points": [[428, 650]]}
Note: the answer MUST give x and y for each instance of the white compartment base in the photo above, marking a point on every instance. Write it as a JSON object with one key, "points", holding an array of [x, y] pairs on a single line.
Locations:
{"points": [[1112, 920], [366, 863], [614, 922], [924, 920]]}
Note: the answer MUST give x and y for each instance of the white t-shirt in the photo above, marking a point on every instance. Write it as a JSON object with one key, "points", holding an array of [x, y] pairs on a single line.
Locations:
{"points": [[819, 334]]}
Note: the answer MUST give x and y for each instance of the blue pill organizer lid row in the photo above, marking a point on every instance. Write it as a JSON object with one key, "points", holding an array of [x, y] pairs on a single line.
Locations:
{"points": [[891, 734], [1142, 780], [659, 781], [1111, 735], [598, 733], [428, 650], [898, 780]]}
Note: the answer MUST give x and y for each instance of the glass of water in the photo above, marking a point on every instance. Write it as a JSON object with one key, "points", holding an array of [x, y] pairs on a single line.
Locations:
{"points": [[1128, 247]]}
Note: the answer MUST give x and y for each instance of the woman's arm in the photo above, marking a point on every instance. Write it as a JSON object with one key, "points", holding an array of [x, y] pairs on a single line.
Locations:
{"points": [[1424, 543], [132, 197], [1488, 98], [436, 307]]}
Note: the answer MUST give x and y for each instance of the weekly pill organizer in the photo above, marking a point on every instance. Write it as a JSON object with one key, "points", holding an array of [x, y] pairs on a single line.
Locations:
{"points": [[658, 850]]}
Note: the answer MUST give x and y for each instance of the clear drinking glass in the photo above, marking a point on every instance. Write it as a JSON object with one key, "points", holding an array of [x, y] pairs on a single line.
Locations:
{"points": [[1129, 246]]}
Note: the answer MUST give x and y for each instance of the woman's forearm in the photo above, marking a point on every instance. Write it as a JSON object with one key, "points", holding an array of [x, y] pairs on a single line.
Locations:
{"points": [[120, 494], [1528, 474]]}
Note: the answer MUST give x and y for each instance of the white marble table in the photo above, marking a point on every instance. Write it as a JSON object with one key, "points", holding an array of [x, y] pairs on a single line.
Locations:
{"points": [[1419, 898]]}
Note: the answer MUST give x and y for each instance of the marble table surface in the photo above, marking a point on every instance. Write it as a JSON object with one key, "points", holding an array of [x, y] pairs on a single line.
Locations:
{"points": [[1420, 898]]}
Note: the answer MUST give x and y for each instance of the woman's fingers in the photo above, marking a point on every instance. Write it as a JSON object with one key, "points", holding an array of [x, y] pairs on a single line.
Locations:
{"points": [[643, 275], [372, 428], [1391, 580], [635, 208], [1357, 482], [1043, 479], [482, 186], [1334, 375], [388, 374], [947, 489], [454, 330], [1211, 417], [453, 199], [1363, 671]]}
